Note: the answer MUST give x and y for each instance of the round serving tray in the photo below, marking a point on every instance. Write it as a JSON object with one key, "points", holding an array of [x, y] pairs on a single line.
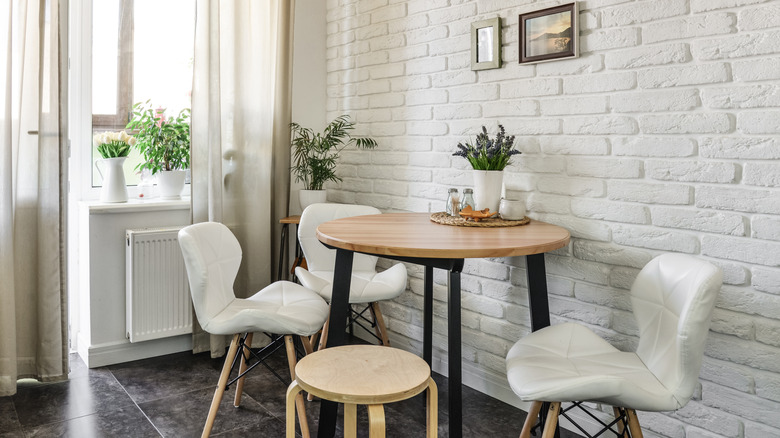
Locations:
{"points": [[445, 219]]}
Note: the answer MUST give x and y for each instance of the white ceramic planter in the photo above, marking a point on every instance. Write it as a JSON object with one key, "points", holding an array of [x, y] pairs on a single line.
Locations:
{"points": [[170, 183], [487, 189], [308, 197], [114, 186]]}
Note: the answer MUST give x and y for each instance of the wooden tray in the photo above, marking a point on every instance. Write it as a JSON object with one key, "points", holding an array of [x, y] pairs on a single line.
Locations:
{"points": [[445, 219]]}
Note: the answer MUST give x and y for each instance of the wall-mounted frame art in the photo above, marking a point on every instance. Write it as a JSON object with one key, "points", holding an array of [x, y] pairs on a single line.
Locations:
{"points": [[549, 34], [486, 44]]}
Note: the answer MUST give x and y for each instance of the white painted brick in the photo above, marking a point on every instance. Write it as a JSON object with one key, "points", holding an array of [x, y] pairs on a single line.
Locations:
{"points": [[417, 7], [610, 211], [662, 425], [453, 13], [591, 188], [574, 145], [530, 88], [388, 13], [698, 220], [427, 97], [767, 332], [755, 96], [761, 122], [451, 112], [701, 123], [726, 374], [577, 269], [408, 53], [647, 56], [744, 250], [373, 87], [578, 311], [408, 23], [610, 39], [538, 203], [601, 125], [603, 296], [747, 200], [354, 49], [412, 113], [605, 168], [585, 64], [349, 76], [451, 78], [371, 31], [624, 322], [689, 27], [345, 90], [356, 185], [761, 17], [611, 254], [742, 405], [755, 430], [409, 144], [649, 193], [536, 126], [382, 157], [761, 69], [630, 14], [733, 273], [691, 171], [473, 93], [387, 42], [766, 280], [711, 5], [502, 329], [574, 105], [386, 129], [451, 45], [387, 100], [335, 14], [750, 148], [655, 101], [599, 83], [733, 324], [426, 128], [426, 34], [503, 108], [482, 305], [498, 74], [674, 76], [353, 103], [372, 58], [518, 315], [714, 420], [654, 238], [375, 115], [653, 146], [426, 65], [737, 46], [579, 228], [527, 163], [407, 83], [762, 174], [623, 278]]}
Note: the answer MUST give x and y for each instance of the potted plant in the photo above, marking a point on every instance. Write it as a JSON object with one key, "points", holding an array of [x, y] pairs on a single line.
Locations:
{"points": [[165, 145], [114, 148], [315, 156], [488, 157]]}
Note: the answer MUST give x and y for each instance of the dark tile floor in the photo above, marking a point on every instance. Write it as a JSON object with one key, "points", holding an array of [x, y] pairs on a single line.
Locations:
{"points": [[170, 396]]}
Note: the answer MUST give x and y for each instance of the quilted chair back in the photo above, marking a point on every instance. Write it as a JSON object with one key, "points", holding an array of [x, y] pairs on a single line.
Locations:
{"points": [[212, 256], [672, 298], [318, 256]]}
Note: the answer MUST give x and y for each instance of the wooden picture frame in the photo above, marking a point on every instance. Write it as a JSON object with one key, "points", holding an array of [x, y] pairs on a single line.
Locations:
{"points": [[549, 34], [486, 44]]}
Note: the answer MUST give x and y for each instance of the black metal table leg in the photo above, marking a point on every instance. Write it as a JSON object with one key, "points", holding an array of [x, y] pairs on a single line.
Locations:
{"points": [[282, 245], [339, 309], [454, 353], [428, 316]]}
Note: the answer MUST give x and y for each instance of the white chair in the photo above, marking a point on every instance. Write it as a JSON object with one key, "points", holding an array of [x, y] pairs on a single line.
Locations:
{"points": [[212, 256], [672, 298], [367, 286]]}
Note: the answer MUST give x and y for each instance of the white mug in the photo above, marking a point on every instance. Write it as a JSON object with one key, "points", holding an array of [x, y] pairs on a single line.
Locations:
{"points": [[511, 210]]}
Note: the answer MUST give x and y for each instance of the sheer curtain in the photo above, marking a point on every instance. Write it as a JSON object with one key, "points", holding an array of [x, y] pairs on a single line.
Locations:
{"points": [[241, 109], [33, 175]]}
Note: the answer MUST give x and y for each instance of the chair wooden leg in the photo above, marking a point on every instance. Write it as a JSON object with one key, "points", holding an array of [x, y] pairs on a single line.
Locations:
{"points": [[620, 425], [376, 421], [350, 420], [379, 323], [552, 420], [292, 361], [432, 417], [531, 419], [241, 369], [292, 395], [315, 337], [633, 424], [324, 335], [223, 378]]}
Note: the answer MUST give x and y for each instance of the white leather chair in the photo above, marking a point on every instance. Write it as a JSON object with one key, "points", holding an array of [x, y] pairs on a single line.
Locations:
{"points": [[367, 286], [672, 298], [212, 256]]}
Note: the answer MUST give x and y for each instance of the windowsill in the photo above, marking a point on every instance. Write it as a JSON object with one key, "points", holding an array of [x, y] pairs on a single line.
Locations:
{"points": [[136, 205]]}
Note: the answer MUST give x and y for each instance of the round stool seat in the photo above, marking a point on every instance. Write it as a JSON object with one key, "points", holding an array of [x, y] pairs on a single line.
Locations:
{"points": [[363, 374]]}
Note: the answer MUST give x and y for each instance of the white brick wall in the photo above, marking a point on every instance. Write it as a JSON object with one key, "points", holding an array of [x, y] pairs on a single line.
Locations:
{"points": [[663, 136]]}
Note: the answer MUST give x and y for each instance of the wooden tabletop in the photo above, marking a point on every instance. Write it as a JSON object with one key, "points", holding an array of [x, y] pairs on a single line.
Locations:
{"points": [[414, 235]]}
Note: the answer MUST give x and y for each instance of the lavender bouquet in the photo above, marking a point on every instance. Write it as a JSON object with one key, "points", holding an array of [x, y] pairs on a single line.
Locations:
{"points": [[487, 153]]}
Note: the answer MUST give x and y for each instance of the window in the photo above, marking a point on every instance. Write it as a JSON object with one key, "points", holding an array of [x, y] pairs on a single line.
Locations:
{"points": [[141, 50]]}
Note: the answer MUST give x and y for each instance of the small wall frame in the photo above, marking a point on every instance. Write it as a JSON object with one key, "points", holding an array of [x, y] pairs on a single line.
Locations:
{"points": [[549, 34], [486, 44]]}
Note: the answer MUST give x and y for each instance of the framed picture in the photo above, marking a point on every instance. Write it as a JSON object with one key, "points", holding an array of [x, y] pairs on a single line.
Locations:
{"points": [[549, 34], [486, 44]]}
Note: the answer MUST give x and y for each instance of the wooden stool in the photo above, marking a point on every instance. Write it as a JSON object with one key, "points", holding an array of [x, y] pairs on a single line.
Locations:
{"points": [[363, 375]]}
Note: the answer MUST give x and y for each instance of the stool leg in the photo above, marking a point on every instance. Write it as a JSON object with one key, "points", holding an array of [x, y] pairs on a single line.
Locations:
{"points": [[376, 421], [324, 335], [530, 420], [552, 420], [621, 425], [288, 342], [432, 426], [292, 395], [350, 420], [223, 378], [379, 320], [244, 357], [633, 424]]}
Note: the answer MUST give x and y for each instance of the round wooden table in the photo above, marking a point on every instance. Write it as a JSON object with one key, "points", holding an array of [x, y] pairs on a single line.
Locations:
{"points": [[413, 238]]}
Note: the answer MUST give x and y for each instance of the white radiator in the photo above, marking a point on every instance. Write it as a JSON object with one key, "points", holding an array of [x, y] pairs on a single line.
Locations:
{"points": [[158, 293]]}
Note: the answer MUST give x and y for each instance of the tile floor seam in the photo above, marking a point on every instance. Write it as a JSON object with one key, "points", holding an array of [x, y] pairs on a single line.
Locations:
{"points": [[135, 403]]}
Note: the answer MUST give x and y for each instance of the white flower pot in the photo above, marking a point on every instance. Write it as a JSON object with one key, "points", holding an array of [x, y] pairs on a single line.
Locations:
{"points": [[114, 186], [170, 183], [308, 197], [487, 189]]}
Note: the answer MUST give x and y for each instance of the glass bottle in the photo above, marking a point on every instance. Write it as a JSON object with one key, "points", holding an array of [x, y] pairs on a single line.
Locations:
{"points": [[453, 202], [468, 198]]}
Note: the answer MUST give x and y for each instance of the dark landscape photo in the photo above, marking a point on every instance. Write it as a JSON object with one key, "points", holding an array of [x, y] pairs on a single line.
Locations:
{"points": [[548, 34]]}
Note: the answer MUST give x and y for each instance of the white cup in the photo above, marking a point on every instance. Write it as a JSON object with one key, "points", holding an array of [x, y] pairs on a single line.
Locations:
{"points": [[511, 210]]}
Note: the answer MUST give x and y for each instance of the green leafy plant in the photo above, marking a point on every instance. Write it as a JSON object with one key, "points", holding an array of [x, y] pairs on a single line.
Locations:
{"points": [[113, 144], [487, 153], [315, 154], [164, 143]]}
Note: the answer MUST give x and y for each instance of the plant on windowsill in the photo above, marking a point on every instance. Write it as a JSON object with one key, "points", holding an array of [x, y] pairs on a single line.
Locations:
{"points": [[114, 148], [315, 155], [164, 144]]}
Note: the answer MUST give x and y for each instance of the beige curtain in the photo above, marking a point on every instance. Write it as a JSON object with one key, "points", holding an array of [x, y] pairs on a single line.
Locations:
{"points": [[33, 151], [241, 109]]}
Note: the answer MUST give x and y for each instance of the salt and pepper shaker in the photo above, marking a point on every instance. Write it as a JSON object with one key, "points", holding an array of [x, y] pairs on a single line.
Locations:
{"points": [[453, 202], [468, 198]]}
